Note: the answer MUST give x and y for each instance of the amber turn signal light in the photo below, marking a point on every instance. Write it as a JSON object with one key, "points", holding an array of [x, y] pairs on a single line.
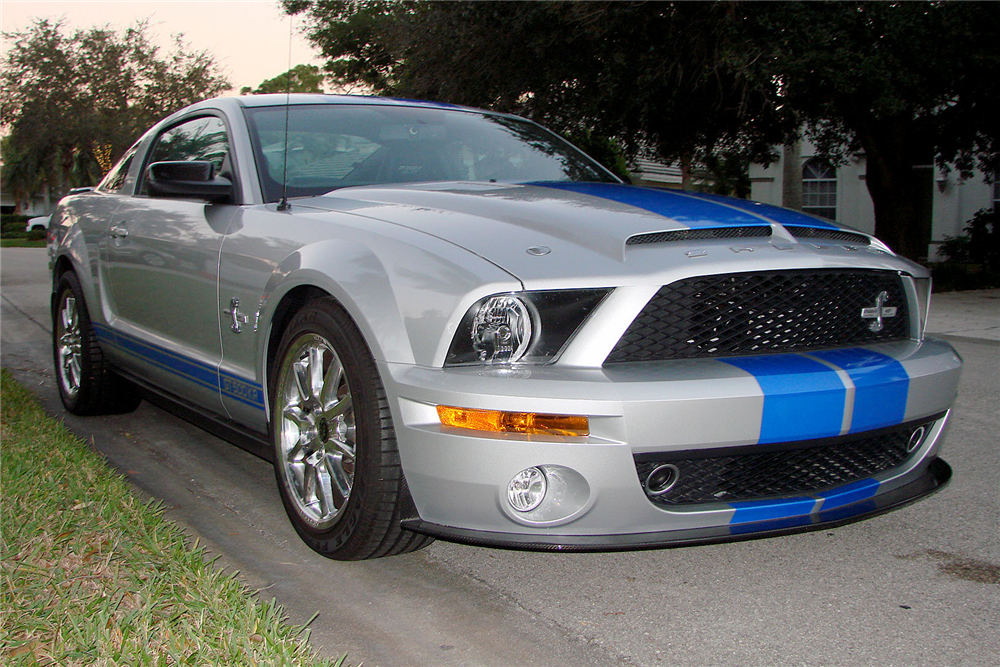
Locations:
{"points": [[497, 421]]}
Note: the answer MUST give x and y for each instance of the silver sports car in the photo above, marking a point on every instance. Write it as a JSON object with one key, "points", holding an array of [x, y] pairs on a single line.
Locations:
{"points": [[445, 322]]}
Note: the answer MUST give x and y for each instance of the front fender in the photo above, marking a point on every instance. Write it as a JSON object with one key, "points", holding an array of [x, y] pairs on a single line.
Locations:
{"points": [[405, 296]]}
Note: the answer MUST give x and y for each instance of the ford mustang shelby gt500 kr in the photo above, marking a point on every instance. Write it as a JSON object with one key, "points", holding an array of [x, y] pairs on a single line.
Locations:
{"points": [[441, 321]]}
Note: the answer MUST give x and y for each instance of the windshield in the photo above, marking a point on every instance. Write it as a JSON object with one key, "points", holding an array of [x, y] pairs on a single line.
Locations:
{"points": [[332, 146]]}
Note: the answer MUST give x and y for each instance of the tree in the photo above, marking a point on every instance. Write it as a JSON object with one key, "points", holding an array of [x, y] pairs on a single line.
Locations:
{"points": [[905, 84], [719, 83], [662, 78], [299, 79], [74, 100]]}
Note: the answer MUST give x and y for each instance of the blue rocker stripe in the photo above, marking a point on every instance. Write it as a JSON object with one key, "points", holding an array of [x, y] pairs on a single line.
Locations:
{"points": [[694, 212], [192, 370]]}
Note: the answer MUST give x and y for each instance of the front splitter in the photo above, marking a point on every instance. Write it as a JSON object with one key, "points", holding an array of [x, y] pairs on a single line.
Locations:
{"points": [[936, 477]]}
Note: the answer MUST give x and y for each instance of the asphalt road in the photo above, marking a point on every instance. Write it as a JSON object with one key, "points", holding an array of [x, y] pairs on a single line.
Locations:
{"points": [[919, 586]]}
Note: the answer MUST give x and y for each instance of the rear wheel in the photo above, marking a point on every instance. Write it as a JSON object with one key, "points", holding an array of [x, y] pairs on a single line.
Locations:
{"points": [[87, 385], [336, 460]]}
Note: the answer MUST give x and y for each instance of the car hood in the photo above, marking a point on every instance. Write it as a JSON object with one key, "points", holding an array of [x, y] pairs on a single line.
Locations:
{"points": [[567, 231]]}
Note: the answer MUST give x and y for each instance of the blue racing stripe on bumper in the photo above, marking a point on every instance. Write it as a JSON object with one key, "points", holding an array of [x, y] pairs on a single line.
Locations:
{"points": [[694, 212], [803, 398], [749, 511], [881, 386], [799, 510], [849, 493]]}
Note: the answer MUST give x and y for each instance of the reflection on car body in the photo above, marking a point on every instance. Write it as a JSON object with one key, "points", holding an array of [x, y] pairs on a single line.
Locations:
{"points": [[441, 321]]}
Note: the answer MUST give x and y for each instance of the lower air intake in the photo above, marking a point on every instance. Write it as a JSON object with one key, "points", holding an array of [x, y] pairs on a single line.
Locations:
{"points": [[748, 473]]}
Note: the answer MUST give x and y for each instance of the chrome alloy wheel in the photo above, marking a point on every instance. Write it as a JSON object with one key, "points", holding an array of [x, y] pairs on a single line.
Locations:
{"points": [[317, 437], [70, 346]]}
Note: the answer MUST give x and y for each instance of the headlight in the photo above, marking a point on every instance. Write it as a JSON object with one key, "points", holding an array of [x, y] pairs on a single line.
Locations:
{"points": [[522, 327], [501, 330]]}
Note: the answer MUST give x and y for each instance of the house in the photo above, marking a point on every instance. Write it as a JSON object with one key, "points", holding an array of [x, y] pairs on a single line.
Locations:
{"points": [[653, 174], [40, 203], [801, 179]]}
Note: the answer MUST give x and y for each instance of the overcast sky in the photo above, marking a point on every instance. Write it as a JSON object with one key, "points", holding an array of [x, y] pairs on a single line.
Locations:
{"points": [[248, 38]]}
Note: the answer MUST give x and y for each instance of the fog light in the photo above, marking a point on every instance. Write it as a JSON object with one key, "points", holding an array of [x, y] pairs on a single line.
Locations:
{"points": [[527, 490], [662, 480], [916, 438]]}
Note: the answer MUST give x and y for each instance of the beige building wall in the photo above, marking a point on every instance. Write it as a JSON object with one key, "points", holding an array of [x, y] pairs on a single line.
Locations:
{"points": [[955, 201]]}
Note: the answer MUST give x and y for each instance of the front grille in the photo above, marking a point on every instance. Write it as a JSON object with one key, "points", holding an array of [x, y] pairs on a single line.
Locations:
{"points": [[741, 314], [699, 234], [734, 474], [831, 234]]}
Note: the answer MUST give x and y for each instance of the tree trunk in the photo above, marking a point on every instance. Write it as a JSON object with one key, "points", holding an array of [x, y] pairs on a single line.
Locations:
{"points": [[686, 180], [791, 176], [896, 188]]}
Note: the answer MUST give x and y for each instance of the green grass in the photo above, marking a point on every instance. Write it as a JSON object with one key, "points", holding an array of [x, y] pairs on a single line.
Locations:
{"points": [[21, 243], [92, 575]]}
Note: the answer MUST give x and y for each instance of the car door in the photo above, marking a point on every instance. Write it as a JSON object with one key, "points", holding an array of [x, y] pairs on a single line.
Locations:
{"points": [[160, 267]]}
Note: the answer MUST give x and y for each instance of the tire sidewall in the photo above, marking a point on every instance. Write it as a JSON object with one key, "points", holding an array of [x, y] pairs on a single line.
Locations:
{"points": [[328, 321], [69, 286]]}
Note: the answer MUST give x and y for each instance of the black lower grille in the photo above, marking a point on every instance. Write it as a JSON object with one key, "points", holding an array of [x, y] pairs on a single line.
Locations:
{"points": [[760, 472], [740, 314]]}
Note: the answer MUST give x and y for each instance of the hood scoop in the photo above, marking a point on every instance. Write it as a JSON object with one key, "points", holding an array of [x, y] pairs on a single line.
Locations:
{"points": [[700, 234], [831, 234]]}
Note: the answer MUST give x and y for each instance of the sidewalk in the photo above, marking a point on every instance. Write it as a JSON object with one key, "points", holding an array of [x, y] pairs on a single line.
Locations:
{"points": [[972, 314]]}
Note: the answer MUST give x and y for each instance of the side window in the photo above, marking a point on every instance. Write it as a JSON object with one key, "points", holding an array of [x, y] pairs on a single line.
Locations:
{"points": [[819, 188], [996, 193], [196, 139], [115, 179]]}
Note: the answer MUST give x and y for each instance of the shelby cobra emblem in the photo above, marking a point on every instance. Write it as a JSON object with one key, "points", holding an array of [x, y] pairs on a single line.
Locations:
{"points": [[879, 311]]}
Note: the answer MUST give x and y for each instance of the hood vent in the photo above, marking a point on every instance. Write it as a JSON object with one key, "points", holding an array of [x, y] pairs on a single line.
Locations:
{"points": [[831, 234], [699, 234]]}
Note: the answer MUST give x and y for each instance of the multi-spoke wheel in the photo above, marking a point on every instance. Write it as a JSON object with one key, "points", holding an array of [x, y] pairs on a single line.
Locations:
{"points": [[87, 385], [69, 352], [318, 439], [334, 445]]}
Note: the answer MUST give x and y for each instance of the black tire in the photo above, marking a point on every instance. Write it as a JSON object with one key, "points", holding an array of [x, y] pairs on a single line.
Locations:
{"points": [[87, 385], [335, 455]]}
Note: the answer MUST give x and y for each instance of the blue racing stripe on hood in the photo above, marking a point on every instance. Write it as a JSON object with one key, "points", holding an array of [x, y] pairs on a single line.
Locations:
{"points": [[881, 386], [696, 213], [803, 398], [782, 216]]}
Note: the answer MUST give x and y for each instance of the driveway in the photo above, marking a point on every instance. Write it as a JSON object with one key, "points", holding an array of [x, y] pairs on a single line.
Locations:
{"points": [[919, 586]]}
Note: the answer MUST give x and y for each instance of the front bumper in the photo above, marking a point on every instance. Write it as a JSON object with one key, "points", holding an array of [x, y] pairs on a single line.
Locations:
{"points": [[935, 478], [458, 478]]}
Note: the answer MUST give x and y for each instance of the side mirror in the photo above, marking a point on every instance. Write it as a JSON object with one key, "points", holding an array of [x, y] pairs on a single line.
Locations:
{"points": [[193, 179]]}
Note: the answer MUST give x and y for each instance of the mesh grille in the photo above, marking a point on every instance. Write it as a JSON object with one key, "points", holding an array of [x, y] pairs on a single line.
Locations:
{"points": [[699, 234], [832, 234], [742, 314], [732, 477]]}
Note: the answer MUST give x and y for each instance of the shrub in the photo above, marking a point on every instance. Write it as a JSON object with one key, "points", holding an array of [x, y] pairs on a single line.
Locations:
{"points": [[980, 244], [972, 260]]}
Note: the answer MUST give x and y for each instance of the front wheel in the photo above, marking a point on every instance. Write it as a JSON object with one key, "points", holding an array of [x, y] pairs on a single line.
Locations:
{"points": [[335, 453]]}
